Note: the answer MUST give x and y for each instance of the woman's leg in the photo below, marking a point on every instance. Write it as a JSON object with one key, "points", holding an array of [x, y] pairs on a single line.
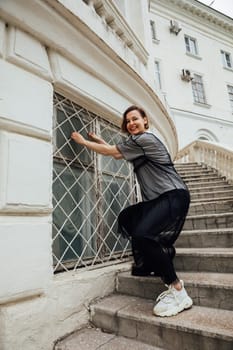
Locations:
{"points": [[159, 259], [139, 268], [175, 299], [147, 257]]}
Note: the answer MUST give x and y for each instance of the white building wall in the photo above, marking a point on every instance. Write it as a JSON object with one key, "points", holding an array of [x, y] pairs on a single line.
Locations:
{"points": [[212, 37], [45, 48]]}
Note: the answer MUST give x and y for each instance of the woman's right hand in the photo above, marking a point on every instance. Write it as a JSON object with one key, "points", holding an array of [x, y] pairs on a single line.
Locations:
{"points": [[78, 138], [93, 137]]}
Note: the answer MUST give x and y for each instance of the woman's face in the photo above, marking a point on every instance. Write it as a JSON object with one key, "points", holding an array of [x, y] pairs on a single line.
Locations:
{"points": [[135, 123]]}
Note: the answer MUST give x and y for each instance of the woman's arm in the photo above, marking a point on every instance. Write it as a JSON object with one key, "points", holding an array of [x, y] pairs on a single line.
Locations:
{"points": [[93, 137], [101, 148]]}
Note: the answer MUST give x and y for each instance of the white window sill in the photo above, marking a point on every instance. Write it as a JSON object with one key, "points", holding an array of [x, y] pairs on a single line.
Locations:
{"points": [[228, 68], [193, 55], [156, 41], [205, 105]]}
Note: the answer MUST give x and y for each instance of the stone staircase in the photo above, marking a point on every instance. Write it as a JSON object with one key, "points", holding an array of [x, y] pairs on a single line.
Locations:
{"points": [[204, 261]]}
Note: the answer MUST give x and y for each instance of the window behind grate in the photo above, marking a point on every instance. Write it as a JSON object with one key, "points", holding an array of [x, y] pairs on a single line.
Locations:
{"points": [[89, 191]]}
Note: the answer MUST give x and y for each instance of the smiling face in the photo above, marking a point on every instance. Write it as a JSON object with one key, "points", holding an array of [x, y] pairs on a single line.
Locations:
{"points": [[135, 122]]}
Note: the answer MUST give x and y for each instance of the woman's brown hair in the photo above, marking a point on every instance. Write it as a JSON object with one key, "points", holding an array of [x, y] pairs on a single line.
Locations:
{"points": [[129, 109]]}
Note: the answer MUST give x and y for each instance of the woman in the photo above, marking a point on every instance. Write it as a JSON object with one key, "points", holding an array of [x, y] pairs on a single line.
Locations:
{"points": [[154, 224]]}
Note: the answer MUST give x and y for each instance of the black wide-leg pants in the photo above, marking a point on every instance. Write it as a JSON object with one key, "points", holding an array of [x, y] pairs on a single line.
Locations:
{"points": [[153, 227]]}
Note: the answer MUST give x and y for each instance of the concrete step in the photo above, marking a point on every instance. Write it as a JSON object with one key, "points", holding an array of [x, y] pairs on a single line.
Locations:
{"points": [[190, 170], [208, 221], [211, 199], [212, 207], [199, 328], [213, 193], [201, 173], [206, 289], [221, 238], [219, 260], [207, 184], [211, 188], [91, 338], [189, 165], [197, 172], [207, 178]]}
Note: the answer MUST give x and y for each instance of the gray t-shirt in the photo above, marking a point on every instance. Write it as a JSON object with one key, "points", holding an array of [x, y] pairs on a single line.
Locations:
{"points": [[152, 165]]}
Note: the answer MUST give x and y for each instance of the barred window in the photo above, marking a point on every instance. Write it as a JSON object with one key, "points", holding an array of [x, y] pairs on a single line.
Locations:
{"points": [[198, 89], [230, 93], [89, 191]]}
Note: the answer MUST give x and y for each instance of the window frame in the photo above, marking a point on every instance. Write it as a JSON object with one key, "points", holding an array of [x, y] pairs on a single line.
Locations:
{"points": [[158, 74], [226, 58], [198, 90], [153, 31], [189, 47]]}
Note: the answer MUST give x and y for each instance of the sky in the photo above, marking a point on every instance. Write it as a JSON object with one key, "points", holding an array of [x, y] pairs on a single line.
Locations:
{"points": [[224, 6]]}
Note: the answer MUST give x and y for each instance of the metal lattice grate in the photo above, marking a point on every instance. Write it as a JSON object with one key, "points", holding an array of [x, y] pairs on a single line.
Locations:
{"points": [[89, 191]]}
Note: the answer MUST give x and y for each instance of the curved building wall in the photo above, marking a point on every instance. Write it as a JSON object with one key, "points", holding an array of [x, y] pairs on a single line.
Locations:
{"points": [[50, 48]]}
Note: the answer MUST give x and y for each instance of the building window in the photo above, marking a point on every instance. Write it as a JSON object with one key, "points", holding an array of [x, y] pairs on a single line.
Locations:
{"points": [[89, 191], [158, 80], [153, 30], [230, 93], [198, 89], [226, 59], [191, 45]]}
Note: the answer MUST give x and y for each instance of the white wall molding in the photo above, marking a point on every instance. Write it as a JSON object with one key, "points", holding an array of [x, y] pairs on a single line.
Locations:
{"points": [[26, 257], [34, 60], [24, 182], [25, 99], [24, 129]]}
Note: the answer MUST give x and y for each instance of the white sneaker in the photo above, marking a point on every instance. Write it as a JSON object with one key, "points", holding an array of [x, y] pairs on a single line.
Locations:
{"points": [[172, 301]]}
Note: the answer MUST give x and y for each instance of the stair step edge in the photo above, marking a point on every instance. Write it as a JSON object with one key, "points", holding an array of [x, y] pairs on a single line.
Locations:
{"points": [[202, 320], [210, 230], [204, 279], [213, 215]]}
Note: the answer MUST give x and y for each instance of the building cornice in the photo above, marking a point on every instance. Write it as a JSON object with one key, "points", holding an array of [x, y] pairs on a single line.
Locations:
{"points": [[200, 11]]}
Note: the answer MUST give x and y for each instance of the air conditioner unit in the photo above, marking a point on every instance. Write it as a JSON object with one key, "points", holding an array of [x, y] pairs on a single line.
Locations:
{"points": [[186, 75], [174, 27]]}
